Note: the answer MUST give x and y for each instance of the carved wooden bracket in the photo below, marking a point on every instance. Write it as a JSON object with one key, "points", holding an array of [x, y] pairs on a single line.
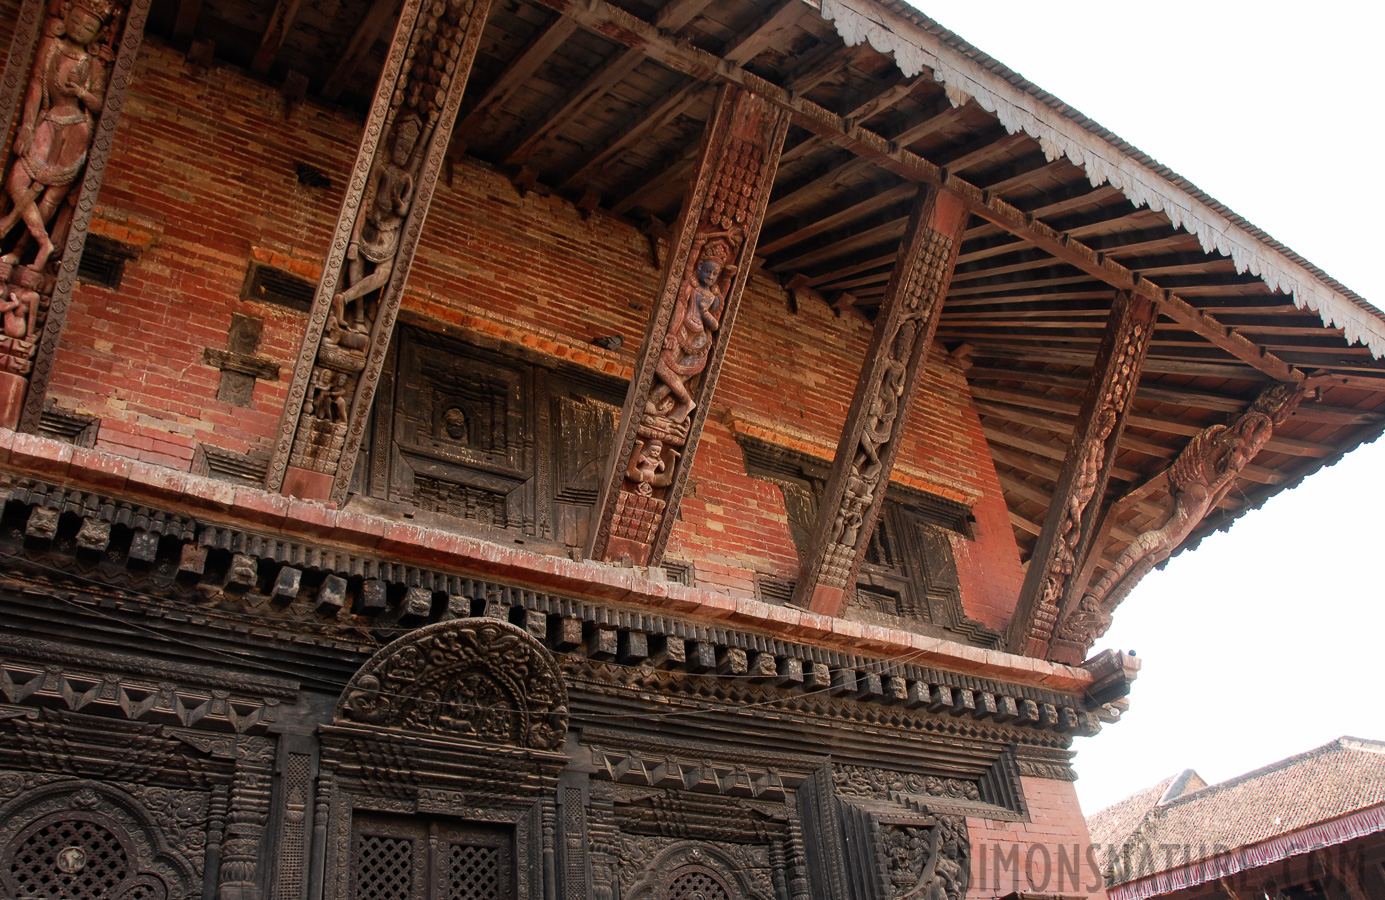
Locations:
{"points": [[880, 407], [378, 229], [1197, 481], [1086, 468], [706, 270], [68, 82]]}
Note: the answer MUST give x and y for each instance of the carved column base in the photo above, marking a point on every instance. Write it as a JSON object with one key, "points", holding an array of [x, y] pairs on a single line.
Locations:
{"points": [[306, 484], [12, 388]]}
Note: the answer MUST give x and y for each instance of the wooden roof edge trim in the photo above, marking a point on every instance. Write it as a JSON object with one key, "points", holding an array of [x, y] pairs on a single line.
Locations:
{"points": [[1104, 159]]}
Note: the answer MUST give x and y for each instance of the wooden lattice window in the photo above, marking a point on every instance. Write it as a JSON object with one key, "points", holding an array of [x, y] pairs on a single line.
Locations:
{"points": [[77, 856], [421, 859], [696, 883]]}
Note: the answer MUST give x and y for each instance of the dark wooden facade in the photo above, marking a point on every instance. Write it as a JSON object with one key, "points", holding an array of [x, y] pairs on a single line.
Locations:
{"points": [[522, 449]]}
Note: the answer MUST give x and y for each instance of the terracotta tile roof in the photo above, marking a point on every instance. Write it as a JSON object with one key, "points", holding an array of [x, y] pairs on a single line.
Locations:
{"points": [[1330, 781]]}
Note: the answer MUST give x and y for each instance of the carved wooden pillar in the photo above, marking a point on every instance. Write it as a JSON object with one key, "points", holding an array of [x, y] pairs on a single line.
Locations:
{"points": [[705, 272], [381, 219], [879, 410], [67, 74], [1086, 468]]}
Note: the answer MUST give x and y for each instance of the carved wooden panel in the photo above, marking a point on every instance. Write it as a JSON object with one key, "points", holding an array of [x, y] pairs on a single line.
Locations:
{"points": [[398, 858], [471, 434]]}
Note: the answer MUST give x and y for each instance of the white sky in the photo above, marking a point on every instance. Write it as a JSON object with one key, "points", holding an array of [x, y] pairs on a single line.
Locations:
{"points": [[1265, 641]]}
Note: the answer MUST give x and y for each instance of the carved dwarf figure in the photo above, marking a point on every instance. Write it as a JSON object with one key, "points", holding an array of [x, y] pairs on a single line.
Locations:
{"points": [[1199, 478], [696, 317], [65, 91], [651, 465], [327, 400], [19, 310], [375, 239]]}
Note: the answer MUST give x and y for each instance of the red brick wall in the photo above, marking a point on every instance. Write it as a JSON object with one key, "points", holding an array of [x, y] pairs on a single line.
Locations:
{"points": [[1040, 855], [202, 177]]}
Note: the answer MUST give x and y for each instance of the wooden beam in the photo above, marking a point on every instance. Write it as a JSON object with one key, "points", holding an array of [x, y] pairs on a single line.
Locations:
{"points": [[383, 212], [602, 17], [1087, 467], [520, 70], [189, 11], [275, 33], [673, 105], [705, 272], [362, 39], [672, 18], [880, 406]]}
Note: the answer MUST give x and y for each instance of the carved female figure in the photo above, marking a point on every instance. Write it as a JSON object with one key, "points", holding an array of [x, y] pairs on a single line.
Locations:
{"points": [[375, 239], [696, 317], [64, 92]]}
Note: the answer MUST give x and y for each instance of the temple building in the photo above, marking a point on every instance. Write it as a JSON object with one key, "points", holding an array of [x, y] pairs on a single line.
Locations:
{"points": [[597, 450]]}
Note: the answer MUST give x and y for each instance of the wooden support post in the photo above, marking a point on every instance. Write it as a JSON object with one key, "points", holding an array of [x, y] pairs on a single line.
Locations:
{"points": [[1086, 469], [879, 411], [382, 215], [67, 115], [706, 270]]}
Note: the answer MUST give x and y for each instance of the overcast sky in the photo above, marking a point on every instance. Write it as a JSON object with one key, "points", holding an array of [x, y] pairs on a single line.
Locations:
{"points": [[1265, 641]]}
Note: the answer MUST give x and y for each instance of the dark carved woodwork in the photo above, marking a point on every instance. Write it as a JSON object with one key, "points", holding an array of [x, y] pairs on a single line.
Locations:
{"points": [[246, 819], [413, 858], [1068, 526], [73, 86], [880, 406], [704, 275], [908, 578], [464, 433], [1198, 479], [928, 863], [88, 840], [477, 679], [382, 216]]}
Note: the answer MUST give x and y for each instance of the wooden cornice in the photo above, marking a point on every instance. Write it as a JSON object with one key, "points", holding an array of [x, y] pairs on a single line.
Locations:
{"points": [[612, 22]]}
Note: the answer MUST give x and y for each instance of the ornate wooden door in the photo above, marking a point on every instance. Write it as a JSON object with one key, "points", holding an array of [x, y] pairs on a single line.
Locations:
{"points": [[396, 858]]}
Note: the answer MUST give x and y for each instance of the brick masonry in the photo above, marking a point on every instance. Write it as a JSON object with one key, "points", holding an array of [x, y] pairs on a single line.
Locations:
{"points": [[1051, 854]]}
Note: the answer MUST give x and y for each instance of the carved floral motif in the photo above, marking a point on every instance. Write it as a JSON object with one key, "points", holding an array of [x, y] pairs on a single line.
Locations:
{"points": [[1198, 480], [472, 678], [860, 781]]}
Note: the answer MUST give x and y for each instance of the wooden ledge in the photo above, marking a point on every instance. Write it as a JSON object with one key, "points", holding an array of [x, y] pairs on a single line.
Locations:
{"points": [[225, 503]]}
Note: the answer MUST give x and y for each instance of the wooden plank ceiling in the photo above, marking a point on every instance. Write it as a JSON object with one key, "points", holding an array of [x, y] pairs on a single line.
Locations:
{"points": [[564, 109]]}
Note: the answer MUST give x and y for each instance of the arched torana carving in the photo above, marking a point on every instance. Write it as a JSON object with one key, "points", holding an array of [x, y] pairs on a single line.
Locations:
{"points": [[479, 679]]}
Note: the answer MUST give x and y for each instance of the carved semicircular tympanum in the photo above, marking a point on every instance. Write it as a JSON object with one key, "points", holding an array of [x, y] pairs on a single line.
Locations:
{"points": [[475, 679]]}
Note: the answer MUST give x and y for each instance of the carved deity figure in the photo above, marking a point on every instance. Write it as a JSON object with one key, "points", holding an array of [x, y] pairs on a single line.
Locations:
{"points": [[866, 466], [19, 307], [375, 238], [327, 397], [1199, 478], [651, 465], [696, 318], [64, 94]]}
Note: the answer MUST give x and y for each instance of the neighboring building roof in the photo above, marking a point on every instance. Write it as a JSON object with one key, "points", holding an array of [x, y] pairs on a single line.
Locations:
{"points": [[1113, 825], [1338, 779]]}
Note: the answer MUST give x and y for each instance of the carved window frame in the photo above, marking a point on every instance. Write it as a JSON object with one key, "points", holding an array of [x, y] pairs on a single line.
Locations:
{"points": [[926, 592], [543, 504]]}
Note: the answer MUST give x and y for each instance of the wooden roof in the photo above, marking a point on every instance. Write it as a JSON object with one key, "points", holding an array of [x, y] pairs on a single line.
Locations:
{"points": [[604, 105]]}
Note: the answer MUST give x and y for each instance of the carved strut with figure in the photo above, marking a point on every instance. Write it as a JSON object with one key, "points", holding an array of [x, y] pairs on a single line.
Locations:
{"points": [[65, 91], [375, 239], [1199, 479], [696, 318]]}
